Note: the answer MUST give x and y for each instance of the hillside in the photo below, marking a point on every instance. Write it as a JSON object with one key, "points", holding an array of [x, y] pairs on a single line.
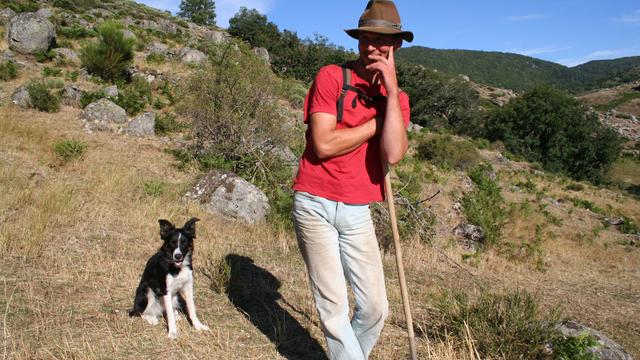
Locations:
{"points": [[75, 232], [519, 72]]}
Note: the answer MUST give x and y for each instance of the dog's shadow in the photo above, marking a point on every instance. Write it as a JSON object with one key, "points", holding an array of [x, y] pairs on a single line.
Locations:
{"points": [[254, 292]]}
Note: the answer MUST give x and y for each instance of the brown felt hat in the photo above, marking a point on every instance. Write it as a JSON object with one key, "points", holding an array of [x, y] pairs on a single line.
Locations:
{"points": [[380, 16]]}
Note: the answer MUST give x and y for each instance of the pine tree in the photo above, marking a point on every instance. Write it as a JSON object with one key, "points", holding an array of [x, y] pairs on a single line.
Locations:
{"points": [[201, 12]]}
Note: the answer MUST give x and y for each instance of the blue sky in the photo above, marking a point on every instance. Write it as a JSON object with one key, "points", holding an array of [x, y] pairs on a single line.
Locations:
{"points": [[568, 32]]}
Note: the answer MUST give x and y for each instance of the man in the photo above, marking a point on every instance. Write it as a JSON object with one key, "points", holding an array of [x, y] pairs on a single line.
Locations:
{"points": [[341, 172]]}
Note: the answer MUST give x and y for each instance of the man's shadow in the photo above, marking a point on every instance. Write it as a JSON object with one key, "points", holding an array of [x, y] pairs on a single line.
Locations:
{"points": [[254, 291]]}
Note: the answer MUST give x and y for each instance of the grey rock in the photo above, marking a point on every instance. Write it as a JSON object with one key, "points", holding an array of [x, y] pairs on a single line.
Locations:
{"points": [[45, 12], [472, 235], [192, 56], [71, 95], [615, 221], [8, 55], [21, 97], [158, 48], [167, 26], [414, 127], [111, 91], [229, 195], [103, 114], [29, 33], [5, 15], [263, 54], [101, 13], [67, 55], [128, 34], [143, 125], [608, 349], [218, 37]]}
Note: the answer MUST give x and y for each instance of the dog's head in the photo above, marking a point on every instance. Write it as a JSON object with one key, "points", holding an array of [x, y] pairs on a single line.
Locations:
{"points": [[178, 243]]}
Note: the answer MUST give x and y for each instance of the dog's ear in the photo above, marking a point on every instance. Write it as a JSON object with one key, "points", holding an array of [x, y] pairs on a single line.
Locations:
{"points": [[166, 228], [189, 227]]}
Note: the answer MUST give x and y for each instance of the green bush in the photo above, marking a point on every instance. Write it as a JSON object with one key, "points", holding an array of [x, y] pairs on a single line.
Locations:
{"points": [[547, 126], [47, 71], [8, 70], [628, 226], [76, 5], [449, 154], [109, 57], [155, 58], [68, 150], [166, 123], [484, 206], [88, 97], [42, 99], [71, 75], [44, 56], [507, 325], [75, 32], [233, 104], [20, 6], [575, 348], [134, 97]]}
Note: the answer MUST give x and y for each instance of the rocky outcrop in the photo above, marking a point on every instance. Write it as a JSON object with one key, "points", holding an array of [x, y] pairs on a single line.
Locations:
{"points": [[192, 56], [607, 349], [21, 97], [262, 54], [71, 95], [67, 55], [143, 125], [5, 15], [472, 235], [229, 195], [29, 33], [104, 115]]}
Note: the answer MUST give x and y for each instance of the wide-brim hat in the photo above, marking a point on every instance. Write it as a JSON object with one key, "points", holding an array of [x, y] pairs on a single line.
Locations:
{"points": [[380, 16]]}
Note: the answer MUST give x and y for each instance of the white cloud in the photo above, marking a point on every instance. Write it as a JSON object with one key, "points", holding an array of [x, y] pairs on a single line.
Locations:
{"points": [[225, 9], [600, 55], [633, 19], [527, 17], [539, 50]]}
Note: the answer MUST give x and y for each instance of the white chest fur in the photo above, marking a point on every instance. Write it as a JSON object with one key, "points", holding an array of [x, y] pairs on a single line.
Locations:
{"points": [[177, 282]]}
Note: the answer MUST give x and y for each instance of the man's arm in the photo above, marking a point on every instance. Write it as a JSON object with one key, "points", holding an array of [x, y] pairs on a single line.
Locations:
{"points": [[329, 142], [393, 139]]}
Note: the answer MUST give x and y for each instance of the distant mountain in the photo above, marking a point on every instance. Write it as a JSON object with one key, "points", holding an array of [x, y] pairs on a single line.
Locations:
{"points": [[519, 72]]}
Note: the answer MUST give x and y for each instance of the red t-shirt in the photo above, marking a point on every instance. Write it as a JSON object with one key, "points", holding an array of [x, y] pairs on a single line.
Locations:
{"points": [[355, 177]]}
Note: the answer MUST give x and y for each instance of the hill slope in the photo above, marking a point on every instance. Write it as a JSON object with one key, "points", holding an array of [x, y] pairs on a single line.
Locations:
{"points": [[521, 72]]}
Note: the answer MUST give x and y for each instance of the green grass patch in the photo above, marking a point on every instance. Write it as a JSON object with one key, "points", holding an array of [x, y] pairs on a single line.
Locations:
{"points": [[618, 101], [8, 70], [68, 150], [484, 206], [166, 123], [154, 188], [447, 153]]}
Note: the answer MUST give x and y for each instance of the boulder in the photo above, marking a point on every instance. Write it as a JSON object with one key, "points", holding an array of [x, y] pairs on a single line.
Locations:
{"points": [[158, 48], [45, 13], [103, 115], [218, 37], [67, 55], [5, 15], [128, 34], [111, 91], [143, 125], [414, 127], [71, 95], [607, 349], [263, 54], [21, 97], [192, 56], [29, 33], [231, 196], [167, 26], [472, 235]]}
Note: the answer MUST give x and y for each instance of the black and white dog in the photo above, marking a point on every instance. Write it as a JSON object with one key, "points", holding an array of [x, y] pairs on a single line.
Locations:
{"points": [[167, 280]]}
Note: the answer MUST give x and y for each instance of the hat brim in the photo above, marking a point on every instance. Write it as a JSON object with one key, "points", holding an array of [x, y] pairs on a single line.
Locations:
{"points": [[355, 33]]}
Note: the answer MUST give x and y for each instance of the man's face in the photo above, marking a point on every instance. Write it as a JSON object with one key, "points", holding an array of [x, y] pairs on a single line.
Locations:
{"points": [[376, 44]]}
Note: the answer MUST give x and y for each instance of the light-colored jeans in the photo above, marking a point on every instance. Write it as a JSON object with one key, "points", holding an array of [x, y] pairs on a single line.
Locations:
{"points": [[339, 246]]}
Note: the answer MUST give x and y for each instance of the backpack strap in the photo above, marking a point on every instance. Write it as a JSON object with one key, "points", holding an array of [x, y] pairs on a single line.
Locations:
{"points": [[346, 84]]}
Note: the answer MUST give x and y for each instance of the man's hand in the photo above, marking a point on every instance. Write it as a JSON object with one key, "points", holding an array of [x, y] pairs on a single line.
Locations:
{"points": [[386, 68]]}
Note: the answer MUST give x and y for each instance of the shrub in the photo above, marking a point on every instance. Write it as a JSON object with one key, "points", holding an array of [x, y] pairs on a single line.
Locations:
{"points": [[109, 57], [44, 56], [575, 348], [166, 123], [75, 32], [88, 97], [234, 108], [154, 188], [484, 206], [68, 150], [449, 154], [547, 126], [135, 96], [155, 58], [508, 325], [71, 75], [20, 6], [47, 71], [628, 226], [42, 99], [8, 70]]}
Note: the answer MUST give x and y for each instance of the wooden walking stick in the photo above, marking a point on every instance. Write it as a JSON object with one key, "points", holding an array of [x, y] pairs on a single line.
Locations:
{"points": [[396, 242]]}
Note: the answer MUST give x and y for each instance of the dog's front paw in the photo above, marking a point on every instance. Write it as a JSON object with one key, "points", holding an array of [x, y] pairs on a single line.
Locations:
{"points": [[173, 335], [152, 320], [201, 327]]}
